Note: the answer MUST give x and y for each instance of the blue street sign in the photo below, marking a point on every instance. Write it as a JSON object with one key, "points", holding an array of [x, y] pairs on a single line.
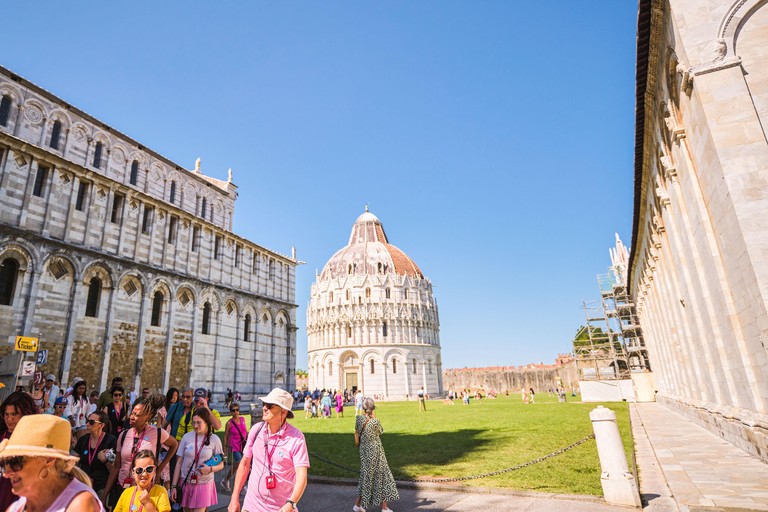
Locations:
{"points": [[42, 357]]}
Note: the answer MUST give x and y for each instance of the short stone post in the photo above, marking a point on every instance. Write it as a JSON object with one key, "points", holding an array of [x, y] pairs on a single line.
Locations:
{"points": [[619, 485]]}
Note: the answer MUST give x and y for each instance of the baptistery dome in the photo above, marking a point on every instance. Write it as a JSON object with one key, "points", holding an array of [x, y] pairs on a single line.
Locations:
{"points": [[372, 321], [369, 252]]}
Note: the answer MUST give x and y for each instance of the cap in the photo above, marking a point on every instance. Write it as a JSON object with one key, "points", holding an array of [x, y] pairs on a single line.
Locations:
{"points": [[60, 400], [201, 393], [51, 377]]}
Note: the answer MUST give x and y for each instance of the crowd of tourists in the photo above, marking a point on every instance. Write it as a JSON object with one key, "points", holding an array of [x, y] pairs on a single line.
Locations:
{"points": [[121, 450]]}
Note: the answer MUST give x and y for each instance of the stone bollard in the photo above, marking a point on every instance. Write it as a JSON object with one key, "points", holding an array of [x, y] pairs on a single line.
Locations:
{"points": [[619, 485]]}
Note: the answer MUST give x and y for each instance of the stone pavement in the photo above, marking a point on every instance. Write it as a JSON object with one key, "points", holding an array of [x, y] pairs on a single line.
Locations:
{"points": [[341, 498], [702, 471]]}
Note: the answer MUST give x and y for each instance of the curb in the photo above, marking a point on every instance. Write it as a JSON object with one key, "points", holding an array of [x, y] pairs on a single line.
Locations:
{"points": [[426, 486]]}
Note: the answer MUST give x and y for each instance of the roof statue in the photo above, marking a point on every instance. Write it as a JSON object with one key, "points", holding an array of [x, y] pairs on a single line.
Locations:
{"points": [[197, 165], [229, 179]]}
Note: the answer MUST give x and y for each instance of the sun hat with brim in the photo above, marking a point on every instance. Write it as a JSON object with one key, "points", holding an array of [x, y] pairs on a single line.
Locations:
{"points": [[279, 397], [39, 435]]}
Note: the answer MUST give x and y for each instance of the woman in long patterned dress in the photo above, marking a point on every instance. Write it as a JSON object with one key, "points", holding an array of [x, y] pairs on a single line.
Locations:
{"points": [[376, 485]]}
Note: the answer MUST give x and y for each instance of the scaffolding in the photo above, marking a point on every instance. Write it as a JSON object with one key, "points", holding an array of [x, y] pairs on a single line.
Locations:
{"points": [[610, 345]]}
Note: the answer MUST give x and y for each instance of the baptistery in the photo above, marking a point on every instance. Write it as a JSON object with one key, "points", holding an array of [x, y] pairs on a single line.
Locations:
{"points": [[372, 320]]}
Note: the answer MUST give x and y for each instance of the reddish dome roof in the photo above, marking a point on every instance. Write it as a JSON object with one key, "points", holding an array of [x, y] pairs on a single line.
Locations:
{"points": [[369, 252]]}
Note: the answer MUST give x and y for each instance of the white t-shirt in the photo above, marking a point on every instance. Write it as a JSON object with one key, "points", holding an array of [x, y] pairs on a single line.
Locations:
{"points": [[187, 450]]}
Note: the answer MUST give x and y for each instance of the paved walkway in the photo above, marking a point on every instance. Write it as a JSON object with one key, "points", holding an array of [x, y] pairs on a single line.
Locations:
{"points": [[702, 471], [341, 498]]}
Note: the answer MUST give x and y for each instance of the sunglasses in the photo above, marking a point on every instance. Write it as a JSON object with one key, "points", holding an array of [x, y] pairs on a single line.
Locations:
{"points": [[234, 410], [148, 469], [15, 463], [117, 394], [92, 422], [61, 406], [270, 406]]}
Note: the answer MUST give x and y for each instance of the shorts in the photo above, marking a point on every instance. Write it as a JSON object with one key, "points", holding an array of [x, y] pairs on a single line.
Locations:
{"points": [[359, 407], [237, 456]]}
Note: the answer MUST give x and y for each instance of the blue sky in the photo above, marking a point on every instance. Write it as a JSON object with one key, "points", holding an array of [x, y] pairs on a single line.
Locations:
{"points": [[494, 139]]}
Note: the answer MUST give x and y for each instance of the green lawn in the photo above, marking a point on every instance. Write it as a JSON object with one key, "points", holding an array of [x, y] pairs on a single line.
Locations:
{"points": [[454, 441]]}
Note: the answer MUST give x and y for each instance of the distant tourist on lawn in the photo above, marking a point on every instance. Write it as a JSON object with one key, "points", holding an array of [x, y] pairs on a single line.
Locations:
{"points": [[307, 408], [524, 392], [376, 485], [326, 403], [339, 405], [359, 402], [533, 401], [422, 401]]}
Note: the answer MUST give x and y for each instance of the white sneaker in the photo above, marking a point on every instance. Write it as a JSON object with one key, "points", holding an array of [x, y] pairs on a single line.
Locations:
{"points": [[358, 509], [387, 510]]}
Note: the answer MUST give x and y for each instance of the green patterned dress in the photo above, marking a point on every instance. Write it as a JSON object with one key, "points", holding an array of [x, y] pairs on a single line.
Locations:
{"points": [[376, 484]]}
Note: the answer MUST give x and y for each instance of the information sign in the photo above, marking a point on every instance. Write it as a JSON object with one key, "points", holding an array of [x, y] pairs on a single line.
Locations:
{"points": [[26, 344]]}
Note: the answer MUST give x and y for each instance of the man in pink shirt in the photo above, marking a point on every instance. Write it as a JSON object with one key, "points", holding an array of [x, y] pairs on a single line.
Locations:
{"points": [[275, 460]]}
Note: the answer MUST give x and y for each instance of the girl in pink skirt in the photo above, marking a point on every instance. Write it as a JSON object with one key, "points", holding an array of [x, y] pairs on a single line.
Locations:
{"points": [[193, 480]]}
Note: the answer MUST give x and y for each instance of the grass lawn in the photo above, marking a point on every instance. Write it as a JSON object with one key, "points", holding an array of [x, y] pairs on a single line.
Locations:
{"points": [[455, 441]]}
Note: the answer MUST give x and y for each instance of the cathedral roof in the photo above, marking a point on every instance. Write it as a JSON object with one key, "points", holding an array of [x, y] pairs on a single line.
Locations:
{"points": [[369, 252]]}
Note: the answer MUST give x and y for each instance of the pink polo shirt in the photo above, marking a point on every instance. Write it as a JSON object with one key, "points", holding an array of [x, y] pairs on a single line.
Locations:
{"points": [[288, 451]]}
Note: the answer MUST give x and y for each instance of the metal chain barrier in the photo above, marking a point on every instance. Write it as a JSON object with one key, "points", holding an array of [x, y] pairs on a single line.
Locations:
{"points": [[463, 478]]}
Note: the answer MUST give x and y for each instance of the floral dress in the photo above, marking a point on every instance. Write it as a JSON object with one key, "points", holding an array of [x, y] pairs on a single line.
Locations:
{"points": [[376, 484]]}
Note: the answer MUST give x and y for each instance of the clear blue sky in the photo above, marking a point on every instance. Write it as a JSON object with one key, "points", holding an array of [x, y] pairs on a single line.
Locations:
{"points": [[493, 139]]}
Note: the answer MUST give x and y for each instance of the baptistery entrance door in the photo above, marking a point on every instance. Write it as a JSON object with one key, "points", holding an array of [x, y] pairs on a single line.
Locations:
{"points": [[351, 382]]}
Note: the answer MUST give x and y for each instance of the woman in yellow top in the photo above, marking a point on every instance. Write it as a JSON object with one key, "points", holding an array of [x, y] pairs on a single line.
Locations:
{"points": [[145, 496]]}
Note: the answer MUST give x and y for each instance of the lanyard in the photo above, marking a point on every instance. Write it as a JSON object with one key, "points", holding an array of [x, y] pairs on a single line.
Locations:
{"points": [[133, 507], [117, 414], [270, 453], [92, 452], [136, 441], [197, 454]]}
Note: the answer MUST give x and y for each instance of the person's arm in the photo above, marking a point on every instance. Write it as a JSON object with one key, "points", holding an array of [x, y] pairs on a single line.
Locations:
{"points": [[227, 429], [146, 501], [298, 489], [240, 478], [175, 478], [112, 476], [84, 502], [168, 417], [172, 445]]}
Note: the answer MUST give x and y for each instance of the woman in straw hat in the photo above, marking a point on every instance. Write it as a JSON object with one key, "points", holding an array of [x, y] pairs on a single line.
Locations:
{"points": [[37, 463]]}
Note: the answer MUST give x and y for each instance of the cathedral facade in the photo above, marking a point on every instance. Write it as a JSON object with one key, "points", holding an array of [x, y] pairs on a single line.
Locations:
{"points": [[124, 263], [698, 268], [372, 321]]}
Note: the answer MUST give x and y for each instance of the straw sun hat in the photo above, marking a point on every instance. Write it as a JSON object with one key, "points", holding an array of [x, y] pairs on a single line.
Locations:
{"points": [[39, 435]]}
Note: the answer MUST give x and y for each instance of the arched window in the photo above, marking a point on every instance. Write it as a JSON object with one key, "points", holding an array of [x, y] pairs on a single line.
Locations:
{"points": [[388, 293], [134, 172], [347, 294], [5, 110], [405, 294], [349, 331], [97, 155], [202, 208], [415, 368], [394, 365], [367, 293], [360, 300], [157, 308], [349, 269], [373, 367], [8, 272], [55, 135], [173, 192], [330, 368], [94, 294], [429, 365], [207, 318], [384, 328], [246, 327], [331, 298]]}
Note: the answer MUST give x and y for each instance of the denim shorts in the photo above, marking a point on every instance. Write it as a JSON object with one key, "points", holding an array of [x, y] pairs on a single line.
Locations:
{"points": [[238, 456]]}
